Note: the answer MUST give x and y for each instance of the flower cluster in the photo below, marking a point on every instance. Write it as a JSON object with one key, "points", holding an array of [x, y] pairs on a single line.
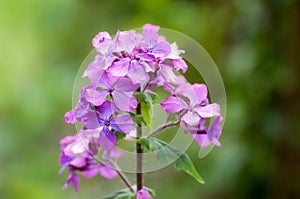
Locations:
{"points": [[127, 64]]}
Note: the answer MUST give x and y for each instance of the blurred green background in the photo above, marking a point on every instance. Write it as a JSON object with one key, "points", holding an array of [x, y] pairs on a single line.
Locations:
{"points": [[255, 44]]}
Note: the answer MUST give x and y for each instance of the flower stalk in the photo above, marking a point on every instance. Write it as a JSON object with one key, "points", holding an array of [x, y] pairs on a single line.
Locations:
{"points": [[139, 153]]}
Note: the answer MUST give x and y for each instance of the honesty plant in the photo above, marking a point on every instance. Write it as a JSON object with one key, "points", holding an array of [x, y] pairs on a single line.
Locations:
{"points": [[118, 101]]}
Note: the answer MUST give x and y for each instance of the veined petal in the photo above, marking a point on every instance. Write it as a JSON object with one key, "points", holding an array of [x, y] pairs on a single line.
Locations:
{"points": [[105, 80], [202, 140], [107, 139], [137, 73], [123, 100], [90, 120], [179, 64], [200, 91], [120, 68], [150, 34], [107, 109], [167, 73], [125, 84], [161, 48], [210, 110], [215, 131], [186, 90], [173, 104], [123, 123], [191, 118], [100, 38], [96, 97]]}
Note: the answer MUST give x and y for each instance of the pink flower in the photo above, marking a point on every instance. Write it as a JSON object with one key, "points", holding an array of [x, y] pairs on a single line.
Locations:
{"points": [[143, 194]]}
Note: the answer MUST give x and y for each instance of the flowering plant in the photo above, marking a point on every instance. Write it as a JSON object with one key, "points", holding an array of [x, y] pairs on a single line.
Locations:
{"points": [[119, 100]]}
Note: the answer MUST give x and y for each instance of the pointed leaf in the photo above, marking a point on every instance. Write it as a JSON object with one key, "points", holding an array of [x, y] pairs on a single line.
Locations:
{"points": [[166, 153]]}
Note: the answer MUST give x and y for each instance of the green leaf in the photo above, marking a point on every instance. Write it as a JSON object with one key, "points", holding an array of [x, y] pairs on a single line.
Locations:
{"points": [[146, 100], [121, 194], [166, 153], [146, 97], [127, 194], [119, 135], [138, 119], [146, 111]]}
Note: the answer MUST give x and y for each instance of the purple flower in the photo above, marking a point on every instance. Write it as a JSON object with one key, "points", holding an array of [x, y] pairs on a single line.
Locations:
{"points": [[143, 194], [196, 107], [100, 38], [175, 58], [154, 44], [74, 179], [76, 156], [120, 89], [82, 107], [206, 136], [102, 119]]}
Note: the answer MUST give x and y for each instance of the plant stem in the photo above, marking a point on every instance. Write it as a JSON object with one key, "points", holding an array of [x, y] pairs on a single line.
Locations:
{"points": [[139, 154], [162, 127], [125, 180]]}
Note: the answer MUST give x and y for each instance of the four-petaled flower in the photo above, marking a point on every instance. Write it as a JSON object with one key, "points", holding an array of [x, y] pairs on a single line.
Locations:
{"points": [[103, 120]]}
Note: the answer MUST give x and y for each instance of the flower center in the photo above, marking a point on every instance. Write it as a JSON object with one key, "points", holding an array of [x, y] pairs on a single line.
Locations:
{"points": [[107, 123]]}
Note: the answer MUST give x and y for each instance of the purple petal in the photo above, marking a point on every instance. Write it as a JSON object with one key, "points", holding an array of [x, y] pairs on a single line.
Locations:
{"points": [[107, 109], [202, 140], [143, 194], [137, 73], [96, 97], [90, 120], [123, 123], [179, 64], [124, 101], [106, 80], [167, 73], [107, 172], [200, 91], [215, 131], [173, 104], [100, 38], [125, 41], [187, 91], [191, 118], [70, 117], [161, 48], [107, 139], [210, 110], [146, 57], [94, 72], [91, 171], [175, 53], [150, 34], [74, 179], [125, 84], [120, 68], [78, 162], [169, 88]]}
